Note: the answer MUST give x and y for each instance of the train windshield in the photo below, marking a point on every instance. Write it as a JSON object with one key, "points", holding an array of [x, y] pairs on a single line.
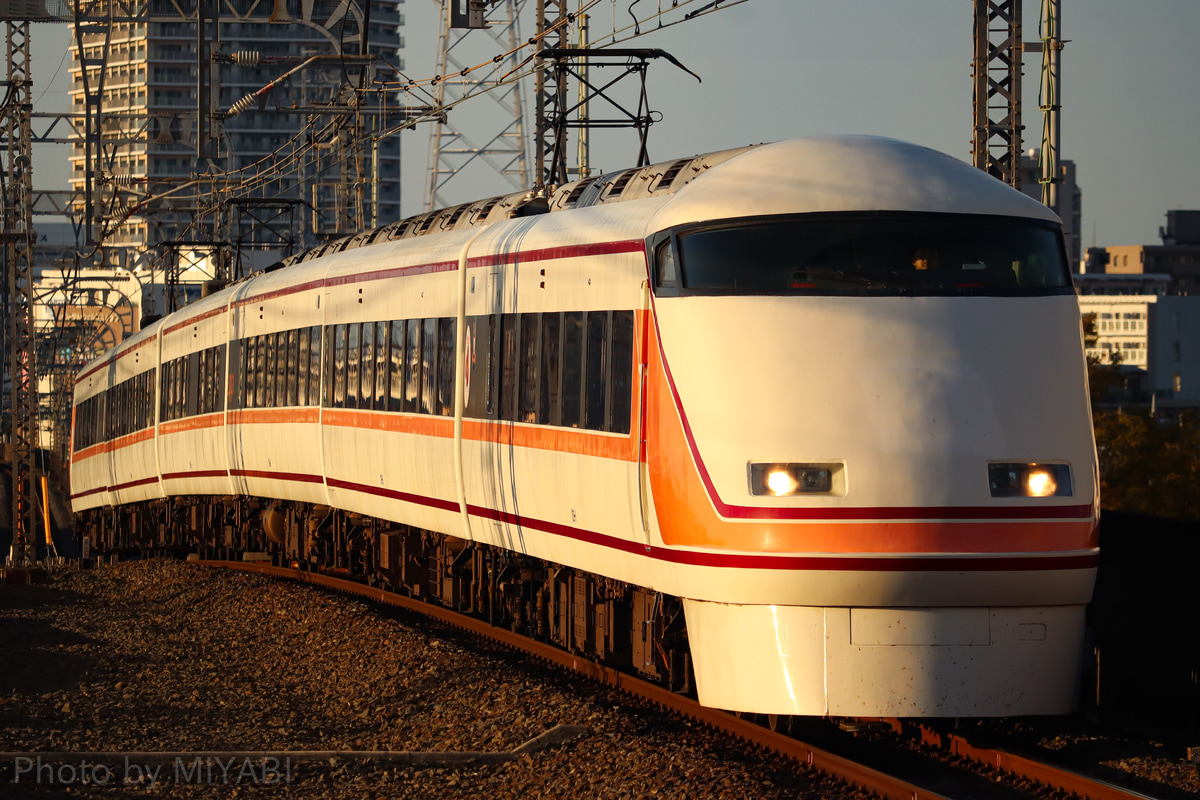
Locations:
{"points": [[866, 254]]}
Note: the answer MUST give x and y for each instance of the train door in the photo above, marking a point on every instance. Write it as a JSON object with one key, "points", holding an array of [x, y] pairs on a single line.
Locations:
{"points": [[496, 448], [641, 482]]}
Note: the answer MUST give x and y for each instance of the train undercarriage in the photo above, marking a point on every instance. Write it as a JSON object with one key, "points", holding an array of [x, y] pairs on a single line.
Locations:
{"points": [[622, 626]]}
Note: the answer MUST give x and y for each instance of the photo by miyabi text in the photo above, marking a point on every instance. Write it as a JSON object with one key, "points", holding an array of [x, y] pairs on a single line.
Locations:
{"points": [[108, 769]]}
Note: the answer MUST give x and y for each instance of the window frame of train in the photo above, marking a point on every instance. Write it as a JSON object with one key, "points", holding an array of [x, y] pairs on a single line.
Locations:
{"points": [[883, 248], [538, 388]]}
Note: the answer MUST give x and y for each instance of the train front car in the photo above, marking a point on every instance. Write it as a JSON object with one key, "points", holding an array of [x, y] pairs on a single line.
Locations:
{"points": [[868, 435]]}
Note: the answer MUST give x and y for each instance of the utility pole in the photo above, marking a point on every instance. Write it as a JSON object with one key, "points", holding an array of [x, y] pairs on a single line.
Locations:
{"points": [[1048, 101]]}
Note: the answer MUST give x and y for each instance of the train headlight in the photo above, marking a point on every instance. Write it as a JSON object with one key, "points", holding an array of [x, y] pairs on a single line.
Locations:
{"points": [[1029, 480], [781, 480]]}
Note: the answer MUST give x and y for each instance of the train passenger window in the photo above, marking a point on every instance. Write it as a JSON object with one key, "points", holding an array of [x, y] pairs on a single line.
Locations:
{"points": [[572, 369], [261, 371], [162, 394], [549, 404], [204, 396], [509, 351], [597, 370], [477, 352], [622, 371], [492, 350], [293, 372], [179, 386], [301, 370], [339, 366], [353, 346], [281, 362], [219, 380], [191, 392], [446, 359], [412, 367], [382, 338], [428, 365], [314, 366], [366, 366], [245, 392], [269, 371], [396, 385], [527, 409]]}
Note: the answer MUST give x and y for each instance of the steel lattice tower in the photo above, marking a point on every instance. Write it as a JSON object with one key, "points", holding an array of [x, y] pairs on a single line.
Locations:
{"points": [[996, 69], [450, 149], [18, 236]]}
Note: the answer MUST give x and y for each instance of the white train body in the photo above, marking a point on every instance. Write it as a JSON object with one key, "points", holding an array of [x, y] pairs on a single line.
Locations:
{"points": [[910, 581]]}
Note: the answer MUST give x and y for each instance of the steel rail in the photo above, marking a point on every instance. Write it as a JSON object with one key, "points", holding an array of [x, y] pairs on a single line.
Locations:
{"points": [[845, 769], [1082, 786]]}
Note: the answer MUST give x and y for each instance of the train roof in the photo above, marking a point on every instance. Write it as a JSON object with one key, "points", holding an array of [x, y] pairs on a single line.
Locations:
{"points": [[844, 173]]}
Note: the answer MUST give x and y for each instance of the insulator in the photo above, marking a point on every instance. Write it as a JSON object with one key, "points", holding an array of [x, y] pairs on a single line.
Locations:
{"points": [[121, 180], [247, 58], [241, 105]]}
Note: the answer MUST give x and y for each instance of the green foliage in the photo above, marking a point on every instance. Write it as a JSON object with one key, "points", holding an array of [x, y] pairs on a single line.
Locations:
{"points": [[1149, 465]]}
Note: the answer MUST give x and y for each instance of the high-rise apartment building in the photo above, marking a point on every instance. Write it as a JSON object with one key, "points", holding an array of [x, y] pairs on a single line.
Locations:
{"points": [[304, 145]]}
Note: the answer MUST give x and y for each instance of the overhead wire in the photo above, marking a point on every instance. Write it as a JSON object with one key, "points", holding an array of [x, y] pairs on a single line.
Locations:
{"points": [[284, 163]]}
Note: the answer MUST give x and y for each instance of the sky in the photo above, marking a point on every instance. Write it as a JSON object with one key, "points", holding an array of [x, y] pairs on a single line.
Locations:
{"points": [[778, 69]]}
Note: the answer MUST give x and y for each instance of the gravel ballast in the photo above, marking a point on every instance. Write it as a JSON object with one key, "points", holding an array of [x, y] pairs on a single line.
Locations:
{"points": [[153, 657]]}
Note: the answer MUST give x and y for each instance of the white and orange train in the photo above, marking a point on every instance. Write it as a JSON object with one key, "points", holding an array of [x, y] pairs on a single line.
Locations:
{"points": [[803, 425]]}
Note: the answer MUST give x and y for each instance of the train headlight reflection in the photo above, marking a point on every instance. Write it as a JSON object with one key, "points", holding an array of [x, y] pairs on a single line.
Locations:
{"points": [[782, 480], [1029, 480]]}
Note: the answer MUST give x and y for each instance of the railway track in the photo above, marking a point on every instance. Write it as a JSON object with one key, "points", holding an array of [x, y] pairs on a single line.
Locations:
{"points": [[887, 771]]}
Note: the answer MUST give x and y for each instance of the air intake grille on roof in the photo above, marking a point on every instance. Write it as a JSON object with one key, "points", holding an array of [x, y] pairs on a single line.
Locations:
{"points": [[621, 182], [669, 176], [572, 198]]}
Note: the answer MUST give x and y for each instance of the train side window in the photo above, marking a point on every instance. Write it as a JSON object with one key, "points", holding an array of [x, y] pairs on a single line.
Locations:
{"points": [[271, 371], [527, 410], [219, 378], [572, 369], [262, 371], [204, 396], [237, 385], [250, 359], [281, 371], [150, 409], [382, 338], [353, 361], [549, 403], [492, 364], [446, 359], [509, 351], [339, 365], [622, 371], [366, 365], [428, 365], [314, 366], [292, 373], [191, 391], [179, 383], [303, 354], [477, 377], [396, 388], [597, 370], [412, 367], [162, 392]]}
